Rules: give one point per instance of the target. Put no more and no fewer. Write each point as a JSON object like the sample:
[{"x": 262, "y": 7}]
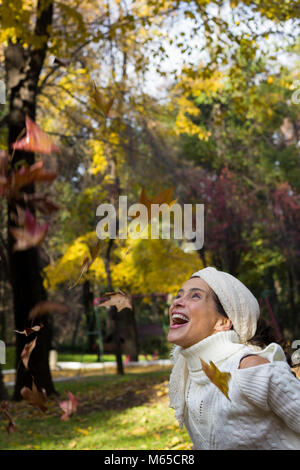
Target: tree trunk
[
  {"x": 130, "y": 333},
  {"x": 117, "y": 340},
  {"x": 23, "y": 67},
  {"x": 113, "y": 314},
  {"x": 88, "y": 298}
]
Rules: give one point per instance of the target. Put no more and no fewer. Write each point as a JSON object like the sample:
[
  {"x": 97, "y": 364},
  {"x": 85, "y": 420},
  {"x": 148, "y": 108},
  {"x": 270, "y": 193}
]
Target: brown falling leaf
[
  {"x": 36, "y": 140},
  {"x": 41, "y": 202},
  {"x": 44, "y": 307},
  {"x": 220, "y": 379},
  {"x": 31, "y": 235},
  {"x": 164, "y": 197},
  {"x": 11, "y": 427},
  {"x": 103, "y": 105},
  {"x": 25, "y": 354},
  {"x": 32, "y": 174},
  {"x": 88, "y": 261},
  {"x": 68, "y": 406},
  {"x": 117, "y": 299},
  {"x": 29, "y": 331},
  {"x": 35, "y": 397}
]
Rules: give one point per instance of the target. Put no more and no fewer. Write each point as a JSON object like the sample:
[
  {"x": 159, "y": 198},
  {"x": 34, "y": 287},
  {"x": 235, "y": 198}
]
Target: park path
[{"x": 73, "y": 370}]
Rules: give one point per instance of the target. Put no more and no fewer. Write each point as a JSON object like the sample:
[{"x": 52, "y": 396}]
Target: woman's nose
[{"x": 179, "y": 301}]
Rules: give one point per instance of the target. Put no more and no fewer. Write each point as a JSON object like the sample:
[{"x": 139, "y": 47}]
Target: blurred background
[{"x": 198, "y": 96}]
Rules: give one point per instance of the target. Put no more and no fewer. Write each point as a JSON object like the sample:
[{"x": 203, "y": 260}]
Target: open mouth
[{"x": 178, "y": 320}]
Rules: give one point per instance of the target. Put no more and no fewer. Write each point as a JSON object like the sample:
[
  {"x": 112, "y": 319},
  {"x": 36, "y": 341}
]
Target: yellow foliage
[
  {"x": 154, "y": 266},
  {"x": 138, "y": 266},
  {"x": 194, "y": 88},
  {"x": 99, "y": 162},
  {"x": 68, "y": 267}
]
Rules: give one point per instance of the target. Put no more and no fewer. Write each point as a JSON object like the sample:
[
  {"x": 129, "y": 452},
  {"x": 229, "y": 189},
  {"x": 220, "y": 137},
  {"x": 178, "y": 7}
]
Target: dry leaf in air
[
  {"x": 35, "y": 173},
  {"x": 220, "y": 379},
  {"x": 29, "y": 331},
  {"x": 11, "y": 427},
  {"x": 31, "y": 235},
  {"x": 25, "y": 354},
  {"x": 88, "y": 261},
  {"x": 69, "y": 407},
  {"x": 116, "y": 299},
  {"x": 36, "y": 140},
  {"x": 35, "y": 397},
  {"x": 44, "y": 307},
  {"x": 164, "y": 197},
  {"x": 103, "y": 105}
]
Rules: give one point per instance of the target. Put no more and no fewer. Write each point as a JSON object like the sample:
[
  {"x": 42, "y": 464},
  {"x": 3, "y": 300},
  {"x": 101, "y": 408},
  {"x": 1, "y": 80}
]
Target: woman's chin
[{"x": 177, "y": 336}]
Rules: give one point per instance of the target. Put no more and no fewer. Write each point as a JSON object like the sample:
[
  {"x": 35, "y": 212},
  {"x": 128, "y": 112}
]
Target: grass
[{"x": 114, "y": 413}]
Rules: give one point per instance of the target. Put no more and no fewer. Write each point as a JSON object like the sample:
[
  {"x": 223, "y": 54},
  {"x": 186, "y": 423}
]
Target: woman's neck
[{"x": 216, "y": 348}]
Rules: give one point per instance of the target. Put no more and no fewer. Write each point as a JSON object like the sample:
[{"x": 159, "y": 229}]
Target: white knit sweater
[{"x": 264, "y": 407}]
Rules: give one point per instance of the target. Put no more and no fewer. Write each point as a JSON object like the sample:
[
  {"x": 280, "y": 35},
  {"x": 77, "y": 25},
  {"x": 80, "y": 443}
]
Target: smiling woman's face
[{"x": 193, "y": 314}]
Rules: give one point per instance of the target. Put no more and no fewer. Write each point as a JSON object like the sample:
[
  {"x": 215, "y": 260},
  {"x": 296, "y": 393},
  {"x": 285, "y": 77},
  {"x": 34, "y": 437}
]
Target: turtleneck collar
[{"x": 216, "y": 348}]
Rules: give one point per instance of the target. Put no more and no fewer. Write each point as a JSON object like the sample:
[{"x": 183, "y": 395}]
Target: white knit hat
[{"x": 238, "y": 302}]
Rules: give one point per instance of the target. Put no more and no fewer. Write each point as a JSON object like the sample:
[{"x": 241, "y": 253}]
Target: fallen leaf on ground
[
  {"x": 72, "y": 444},
  {"x": 138, "y": 431},
  {"x": 82, "y": 431},
  {"x": 220, "y": 379},
  {"x": 69, "y": 407},
  {"x": 35, "y": 397}
]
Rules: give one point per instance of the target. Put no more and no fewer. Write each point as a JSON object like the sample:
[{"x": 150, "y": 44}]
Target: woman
[{"x": 213, "y": 318}]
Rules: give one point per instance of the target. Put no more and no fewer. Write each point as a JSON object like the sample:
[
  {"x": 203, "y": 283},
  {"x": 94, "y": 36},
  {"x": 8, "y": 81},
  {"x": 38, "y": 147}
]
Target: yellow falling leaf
[
  {"x": 103, "y": 105},
  {"x": 220, "y": 379}
]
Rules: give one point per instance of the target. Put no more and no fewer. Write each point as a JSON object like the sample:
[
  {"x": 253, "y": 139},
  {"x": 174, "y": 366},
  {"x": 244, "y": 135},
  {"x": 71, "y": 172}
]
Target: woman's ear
[{"x": 223, "y": 324}]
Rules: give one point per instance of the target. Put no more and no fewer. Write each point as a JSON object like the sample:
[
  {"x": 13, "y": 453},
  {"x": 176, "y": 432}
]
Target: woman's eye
[{"x": 197, "y": 296}]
